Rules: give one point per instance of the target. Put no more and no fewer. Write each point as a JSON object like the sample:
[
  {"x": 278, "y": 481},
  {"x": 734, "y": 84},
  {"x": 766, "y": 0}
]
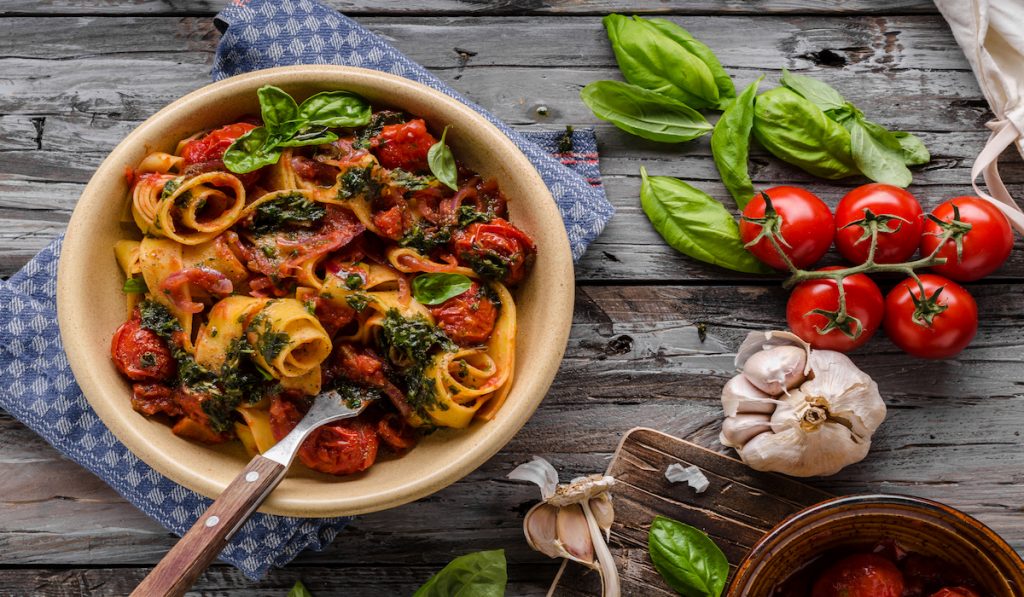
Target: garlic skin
[{"x": 814, "y": 429}]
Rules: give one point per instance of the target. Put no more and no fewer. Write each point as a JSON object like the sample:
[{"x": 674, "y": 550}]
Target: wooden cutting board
[{"x": 736, "y": 510}]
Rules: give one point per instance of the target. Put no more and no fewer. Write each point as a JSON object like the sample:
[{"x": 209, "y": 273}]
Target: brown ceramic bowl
[
  {"x": 91, "y": 304},
  {"x": 918, "y": 525}
]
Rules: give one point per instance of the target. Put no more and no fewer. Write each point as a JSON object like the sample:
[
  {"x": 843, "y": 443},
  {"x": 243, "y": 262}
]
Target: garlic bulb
[
  {"x": 573, "y": 521},
  {"x": 798, "y": 411}
]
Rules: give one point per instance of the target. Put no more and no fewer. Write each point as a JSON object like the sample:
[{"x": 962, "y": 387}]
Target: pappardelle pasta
[{"x": 327, "y": 245}]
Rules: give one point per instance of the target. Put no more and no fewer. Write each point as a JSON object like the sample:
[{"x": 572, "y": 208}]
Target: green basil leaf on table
[
  {"x": 875, "y": 155},
  {"x": 687, "y": 558},
  {"x": 252, "y": 151},
  {"x": 798, "y": 132},
  {"x": 726, "y": 88},
  {"x": 650, "y": 59},
  {"x": 730, "y": 145},
  {"x": 442, "y": 163},
  {"x": 819, "y": 93},
  {"x": 913, "y": 149},
  {"x": 480, "y": 574},
  {"x": 644, "y": 113},
  {"x": 299, "y": 590},
  {"x": 434, "y": 289},
  {"x": 279, "y": 111},
  {"x": 335, "y": 109},
  {"x": 695, "y": 224}
]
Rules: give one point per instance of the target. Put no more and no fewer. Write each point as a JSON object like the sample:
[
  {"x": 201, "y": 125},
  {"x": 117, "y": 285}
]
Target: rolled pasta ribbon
[
  {"x": 217, "y": 255},
  {"x": 225, "y": 325},
  {"x": 161, "y": 162},
  {"x": 201, "y": 208},
  {"x": 357, "y": 185},
  {"x": 257, "y": 424},
  {"x": 283, "y": 175},
  {"x": 146, "y": 195},
  {"x": 127, "y": 254},
  {"x": 501, "y": 346},
  {"x": 408, "y": 260},
  {"x": 288, "y": 341},
  {"x": 158, "y": 259}
]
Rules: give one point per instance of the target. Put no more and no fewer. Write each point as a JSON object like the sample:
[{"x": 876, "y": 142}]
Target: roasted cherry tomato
[
  {"x": 863, "y": 301},
  {"x": 496, "y": 250},
  {"x": 341, "y": 448},
  {"x": 955, "y": 592},
  {"x": 396, "y": 432},
  {"x": 211, "y": 147},
  {"x": 980, "y": 241},
  {"x": 403, "y": 145},
  {"x": 468, "y": 318},
  {"x": 140, "y": 354},
  {"x": 935, "y": 324},
  {"x": 897, "y": 215},
  {"x": 153, "y": 398},
  {"x": 860, "y": 575},
  {"x": 803, "y": 222}
]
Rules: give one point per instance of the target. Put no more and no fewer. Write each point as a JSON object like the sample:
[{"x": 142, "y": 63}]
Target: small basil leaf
[
  {"x": 813, "y": 90},
  {"x": 644, "y": 113},
  {"x": 912, "y": 148},
  {"x": 315, "y": 137},
  {"x": 434, "y": 289},
  {"x": 480, "y": 574},
  {"x": 279, "y": 111},
  {"x": 299, "y": 590},
  {"x": 442, "y": 163},
  {"x": 687, "y": 558},
  {"x": 252, "y": 151},
  {"x": 335, "y": 109},
  {"x": 694, "y": 223},
  {"x": 650, "y": 59},
  {"x": 135, "y": 285},
  {"x": 875, "y": 156},
  {"x": 726, "y": 88},
  {"x": 730, "y": 145}
]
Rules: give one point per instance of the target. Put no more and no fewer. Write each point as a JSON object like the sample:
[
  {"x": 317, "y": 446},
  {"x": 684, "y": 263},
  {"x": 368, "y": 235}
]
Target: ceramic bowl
[
  {"x": 91, "y": 304},
  {"x": 918, "y": 525}
]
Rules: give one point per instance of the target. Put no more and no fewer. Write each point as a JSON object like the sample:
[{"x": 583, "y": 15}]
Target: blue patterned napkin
[{"x": 36, "y": 383}]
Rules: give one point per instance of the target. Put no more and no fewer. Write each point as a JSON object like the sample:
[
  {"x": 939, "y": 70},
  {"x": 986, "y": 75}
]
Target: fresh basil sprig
[
  {"x": 434, "y": 289},
  {"x": 480, "y": 574},
  {"x": 644, "y": 113},
  {"x": 694, "y": 223},
  {"x": 687, "y": 558},
  {"x": 730, "y": 145},
  {"x": 299, "y": 590},
  {"x": 288, "y": 124},
  {"x": 442, "y": 163}
]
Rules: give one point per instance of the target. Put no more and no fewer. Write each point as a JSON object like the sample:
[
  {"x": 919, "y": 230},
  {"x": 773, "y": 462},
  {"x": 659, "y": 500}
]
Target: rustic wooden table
[{"x": 653, "y": 331}]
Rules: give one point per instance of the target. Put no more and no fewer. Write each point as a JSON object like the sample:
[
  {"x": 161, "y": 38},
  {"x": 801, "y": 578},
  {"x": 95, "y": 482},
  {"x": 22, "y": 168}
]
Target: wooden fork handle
[{"x": 179, "y": 569}]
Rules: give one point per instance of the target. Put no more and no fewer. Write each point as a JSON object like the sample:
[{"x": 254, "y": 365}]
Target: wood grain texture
[{"x": 739, "y": 506}]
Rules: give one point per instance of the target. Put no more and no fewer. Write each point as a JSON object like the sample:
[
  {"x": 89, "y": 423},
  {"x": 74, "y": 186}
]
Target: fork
[{"x": 179, "y": 569}]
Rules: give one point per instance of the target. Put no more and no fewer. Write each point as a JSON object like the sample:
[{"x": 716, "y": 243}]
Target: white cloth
[{"x": 991, "y": 34}]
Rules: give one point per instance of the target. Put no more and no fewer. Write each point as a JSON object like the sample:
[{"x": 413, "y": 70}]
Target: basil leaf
[
  {"x": 442, "y": 163},
  {"x": 726, "y": 88},
  {"x": 644, "y": 113},
  {"x": 687, "y": 558},
  {"x": 912, "y": 148},
  {"x": 813, "y": 90},
  {"x": 252, "y": 151},
  {"x": 299, "y": 590},
  {"x": 480, "y": 574},
  {"x": 335, "y": 109},
  {"x": 279, "y": 111},
  {"x": 134, "y": 285},
  {"x": 317, "y": 136},
  {"x": 693, "y": 223},
  {"x": 730, "y": 145},
  {"x": 434, "y": 289},
  {"x": 650, "y": 59},
  {"x": 875, "y": 156},
  {"x": 796, "y": 131}
]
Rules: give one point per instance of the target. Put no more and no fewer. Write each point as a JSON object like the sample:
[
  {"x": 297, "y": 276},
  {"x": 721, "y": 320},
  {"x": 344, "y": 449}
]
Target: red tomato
[
  {"x": 152, "y": 398},
  {"x": 496, "y": 250},
  {"x": 899, "y": 223},
  {"x": 403, "y": 145},
  {"x": 955, "y": 592},
  {"x": 396, "y": 432},
  {"x": 860, "y": 575},
  {"x": 341, "y": 448},
  {"x": 468, "y": 318},
  {"x": 390, "y": 222},
  {"x": 985, "y": 247},
  {"x": 863, "y": 301},
  {"x": 212, "y": 146},
  {"x": 140, "y": 354},
  {"x": 286, "y": 410},
  {"x": 937, "y": 327},
  {"x": 806, "y": 227}
]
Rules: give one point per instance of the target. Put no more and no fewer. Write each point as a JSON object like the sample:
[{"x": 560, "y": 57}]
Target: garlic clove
[
  {"x": 604, "y": 513},
  {"x": 540, "y": 472},
  {"x": 740, "y": 429},
  {"x": 741, "y": 396},
  {"x": 539, "y": 527},
  {"x": 756, "y": 342},
  {"x": 822, "y": 452},
  {"x": 777, "y": 370},
  {"x": 574, "y": 534}
]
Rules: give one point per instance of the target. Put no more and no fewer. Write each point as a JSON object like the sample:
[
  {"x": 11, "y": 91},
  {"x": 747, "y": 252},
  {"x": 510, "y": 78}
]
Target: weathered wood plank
[{"x": 499, "y": 7}]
